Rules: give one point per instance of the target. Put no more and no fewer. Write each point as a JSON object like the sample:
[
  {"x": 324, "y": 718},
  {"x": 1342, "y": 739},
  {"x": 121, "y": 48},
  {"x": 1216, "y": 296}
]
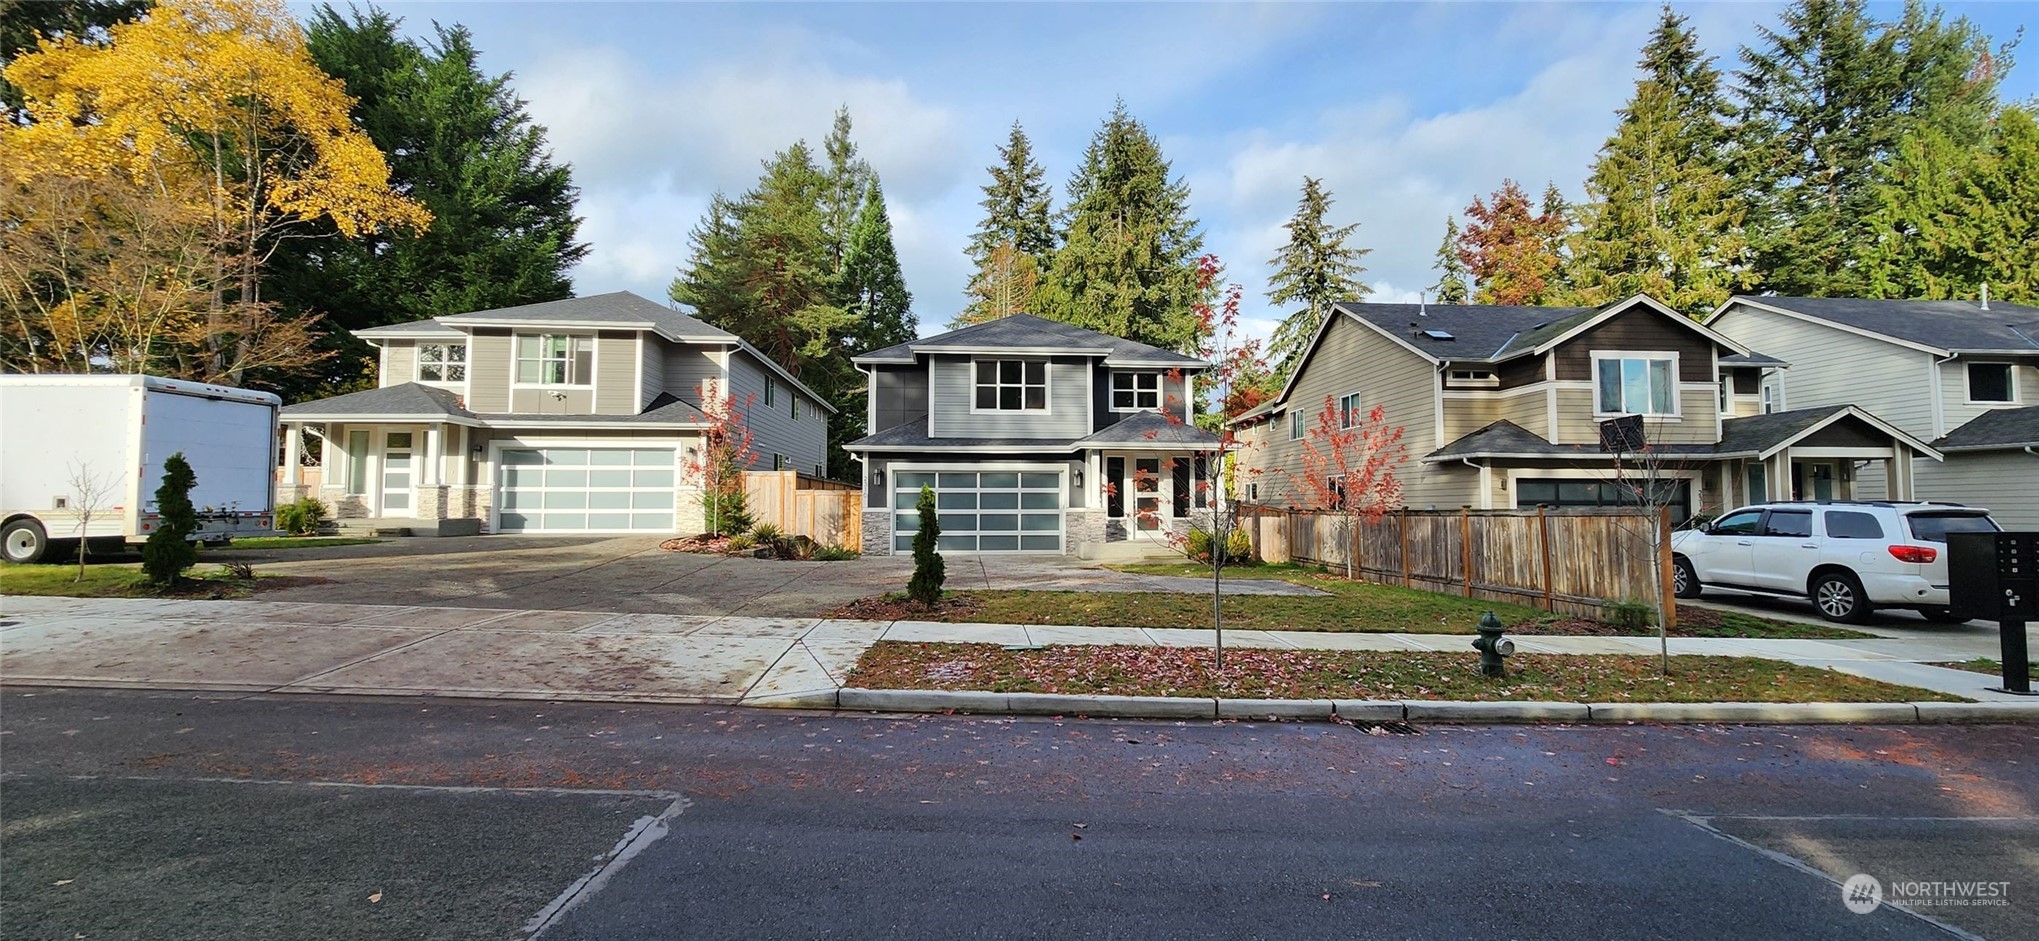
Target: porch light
[
  {"x": 1078, "y": 477},
  {"x": 878, "y": 477}
]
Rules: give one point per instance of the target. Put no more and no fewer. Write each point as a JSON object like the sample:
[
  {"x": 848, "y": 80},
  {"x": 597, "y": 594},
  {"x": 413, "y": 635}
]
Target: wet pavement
[{"x": 132, "y": 815}]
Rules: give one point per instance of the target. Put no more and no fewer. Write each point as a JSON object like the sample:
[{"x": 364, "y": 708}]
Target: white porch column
[
  {"x": 435, "y": 455},
  {"x": 293, "y": 453},
  {"x": 466, "y": 465}
]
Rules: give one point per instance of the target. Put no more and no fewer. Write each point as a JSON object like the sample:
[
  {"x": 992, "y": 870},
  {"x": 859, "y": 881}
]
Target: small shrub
[
  {"x": 742, "y": 542},
  {"x": 1197, "y": 545},
  {"x": 239, "y": 571},
  {"x": 169, "y": 550},
  {"x": 1629, "y": 615},
  {"x": 301, "y": 517},
  {"x": 835, "y": 554},
  {"x": 723, "y": 510},
  {"x": 928, "y": 570},
  {"x": 765, "y": 532},
  {"x": 1238, "y": 547},
  {"x": 796, "y": 548}
]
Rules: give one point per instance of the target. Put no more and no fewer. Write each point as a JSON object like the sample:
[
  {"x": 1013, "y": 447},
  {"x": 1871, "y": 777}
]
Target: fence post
[
  {"x": 1543, "y": 536},
  {"x": 1408, "y": 578},
  {"x": 1465, "y": 540},
  {"x": 1669, "y": 598}
]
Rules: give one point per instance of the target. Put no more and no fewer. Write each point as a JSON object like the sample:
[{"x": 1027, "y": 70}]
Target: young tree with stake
[
  {"x": 91, "y": 491},
  {"x": 718, "y": 463}
]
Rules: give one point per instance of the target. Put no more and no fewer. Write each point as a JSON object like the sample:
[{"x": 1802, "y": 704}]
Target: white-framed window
[
  {"x": 796, "y": 407},
  {"x": 1011, "y": 385},
  {"x": 1992, "y": 383},
  {"x": 1296, "y": 425},
  {"x": 1334, "y": 490},
  {"x": 1473, "y": 377},
  {"x": 442, "y": 362},
  {"x": 1769, "y": 398},
  {"x": 1627, "y": 383},
  {"x": 1348, "y": 410},
  {"x": 1136, "y": 391},
  {"x": 555, "y": 360}
]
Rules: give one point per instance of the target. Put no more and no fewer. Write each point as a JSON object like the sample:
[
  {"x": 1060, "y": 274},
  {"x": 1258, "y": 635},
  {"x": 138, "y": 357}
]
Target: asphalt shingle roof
[
  {"x": 1945, "y": 325},
  {"x": 411, "y": 328},
  {"x": 1751, "y": 359},
  {"x": 1758, "y": 433},
  {"x": 1025, "y": 331},
  {"x": 410, "y": 398},
  {"x": 621, "y": 309},
  {"x": 1149, "y": 429},
  {"x": 1996, "y": 428},
  {"x": 1751, "y": 434},
  {"x": 1479, "y": 331},
  {"x": 913, "y": 436}
]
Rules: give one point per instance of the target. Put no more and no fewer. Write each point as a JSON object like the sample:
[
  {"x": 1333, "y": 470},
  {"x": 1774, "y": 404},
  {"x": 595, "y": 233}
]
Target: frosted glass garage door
[
  {"x": 990, "y": 511},
  {"x": 586, "y": 490}
]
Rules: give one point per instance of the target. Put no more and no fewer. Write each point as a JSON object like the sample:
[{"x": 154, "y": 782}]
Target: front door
[
  {"x": 398, "y": 473},
  {"x": 1812, "y": 481},
  {"x": 1150, "y": 504}
]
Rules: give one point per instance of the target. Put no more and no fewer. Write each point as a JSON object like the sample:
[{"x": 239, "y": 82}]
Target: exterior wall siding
[
  {"x": 489, "y": 358},
  {"x": 953, "y": 390},
  {"x": 1696, "y": 425},
  {"x": 399, "y": 362},
  {"x": 1636, "y": 329},
  {"x": 651, "y": 361},
  {"x": 804, "y": 442},
  {"x": 1829, "y": 366},
  {"x": 1955, "y": 408},
  {"x": 901, "y": 395},
  {"x": 2007, "y": 482},
  {"x": 533, "y": 400},
  {"x": 688, "y": 370},
  {"x": 615, "y": 377}
]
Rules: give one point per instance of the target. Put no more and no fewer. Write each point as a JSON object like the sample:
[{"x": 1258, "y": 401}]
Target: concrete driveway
[{"x": 633, "y": 575}]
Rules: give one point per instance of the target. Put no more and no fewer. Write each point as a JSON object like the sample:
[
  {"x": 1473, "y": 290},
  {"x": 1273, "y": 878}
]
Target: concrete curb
[{"x": 1414, "y": 710}]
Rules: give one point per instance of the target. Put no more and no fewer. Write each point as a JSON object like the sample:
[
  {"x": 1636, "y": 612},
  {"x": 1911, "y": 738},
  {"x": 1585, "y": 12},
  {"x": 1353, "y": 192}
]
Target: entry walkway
[{"x": 286, "y": 647}]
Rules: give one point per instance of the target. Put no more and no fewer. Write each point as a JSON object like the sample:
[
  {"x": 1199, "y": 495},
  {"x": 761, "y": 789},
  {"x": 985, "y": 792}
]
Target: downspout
[
  {"x": 1939, "y": 395},
  {"x": 1486, "y": 482}
]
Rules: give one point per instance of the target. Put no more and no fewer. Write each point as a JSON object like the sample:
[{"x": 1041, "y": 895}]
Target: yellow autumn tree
[{"x": 215, "y": 105}]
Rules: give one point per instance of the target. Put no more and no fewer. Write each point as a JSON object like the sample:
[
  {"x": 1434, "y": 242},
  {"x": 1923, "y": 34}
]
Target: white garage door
[
  {"x": 989, "y": 511},
  {"x": 586, "y": 490}
]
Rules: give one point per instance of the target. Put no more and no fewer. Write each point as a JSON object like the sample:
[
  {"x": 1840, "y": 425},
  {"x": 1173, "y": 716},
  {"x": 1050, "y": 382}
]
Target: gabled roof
[
  {"x": 1149, "y": 430},
  {"x": 1996, "y": 429},
  {"x": 409, "y": 400},
  {"x": 1506, "y": 439},
  {"x": 1026, "y": 333},
  {"x": 621, "y": 310},
  {"x": 1753, "y": 359},
  {"x": 420, "y": 329},
  {"x": 1752, "y": 436},
  {"x": 1941, "y": 326}
]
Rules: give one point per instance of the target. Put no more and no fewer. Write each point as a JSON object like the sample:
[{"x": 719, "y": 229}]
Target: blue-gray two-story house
[{"x": 1037, "y": 436}]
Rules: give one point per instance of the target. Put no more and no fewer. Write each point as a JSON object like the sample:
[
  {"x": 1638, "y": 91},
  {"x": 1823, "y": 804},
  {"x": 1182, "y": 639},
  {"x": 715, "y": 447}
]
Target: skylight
[{"x": 1439, "y": 334}]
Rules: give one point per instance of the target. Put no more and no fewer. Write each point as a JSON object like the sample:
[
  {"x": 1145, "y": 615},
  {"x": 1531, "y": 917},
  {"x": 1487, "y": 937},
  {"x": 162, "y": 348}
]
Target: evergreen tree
[
  {"x": 929, "y": 572},
  {"x": 1825, "y": 100},
  {"x": 1316, "y": 269},
  {"x": 1016, "y": 239},
  {"x": 1949, "y": 218},
  {"x": 1661, "y": 216},
  {"x": 875, "y": 283},
  {"x": 1510, "y": 248},
  {"x": 169, "y": 549},
  {"x": 843, "y": 195},
  {"x": 1128, "y": 262},
  {"x": 460, "y": 143},
  {"x": 1451, "y": 269}
]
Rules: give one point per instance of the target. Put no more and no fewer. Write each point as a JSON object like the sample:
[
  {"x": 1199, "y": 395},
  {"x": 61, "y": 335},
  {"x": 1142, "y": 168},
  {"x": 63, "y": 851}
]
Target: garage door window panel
[
  {"x": 587, "y": 489},
  {"x": 992, "y": 511}
]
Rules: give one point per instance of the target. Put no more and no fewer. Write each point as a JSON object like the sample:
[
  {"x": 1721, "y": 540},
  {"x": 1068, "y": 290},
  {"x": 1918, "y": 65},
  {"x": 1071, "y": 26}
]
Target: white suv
[{"x": 1847, "y": 557}]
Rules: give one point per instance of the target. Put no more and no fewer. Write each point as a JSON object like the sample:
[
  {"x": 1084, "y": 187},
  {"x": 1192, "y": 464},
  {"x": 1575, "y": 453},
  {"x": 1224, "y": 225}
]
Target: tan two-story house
[
  {"x": 572, "y": 416},
  {"x": 1962, "y": 374},
  {"x": 1501, "y": 407}
]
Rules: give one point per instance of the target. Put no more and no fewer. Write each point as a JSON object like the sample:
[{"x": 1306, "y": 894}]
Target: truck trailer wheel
[{"x": 23, "y": 541}]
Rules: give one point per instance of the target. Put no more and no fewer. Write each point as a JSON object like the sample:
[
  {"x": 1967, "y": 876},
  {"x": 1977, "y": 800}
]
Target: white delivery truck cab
[{"x": 120, "y": 429}]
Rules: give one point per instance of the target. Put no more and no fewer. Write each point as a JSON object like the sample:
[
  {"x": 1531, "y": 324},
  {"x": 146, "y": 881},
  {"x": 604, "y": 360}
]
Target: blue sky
[{"x": 1406, "y": 110}]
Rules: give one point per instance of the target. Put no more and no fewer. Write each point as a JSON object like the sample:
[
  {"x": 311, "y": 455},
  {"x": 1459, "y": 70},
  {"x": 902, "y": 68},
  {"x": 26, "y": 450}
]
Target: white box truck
[{"x": 120, "y": 429}]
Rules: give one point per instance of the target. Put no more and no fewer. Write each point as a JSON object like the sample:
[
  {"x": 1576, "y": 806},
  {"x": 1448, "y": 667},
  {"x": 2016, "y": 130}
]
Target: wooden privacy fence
[
  {"x": 1572, "y": 561},
  {"x": 829, "y": 512}
]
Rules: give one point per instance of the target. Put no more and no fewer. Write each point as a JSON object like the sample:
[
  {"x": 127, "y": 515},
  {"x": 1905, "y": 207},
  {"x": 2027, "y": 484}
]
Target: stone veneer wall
[
  {"x": 1085, "y": 527},
  {"x": 877, "y": 532},
  {"x": 689, "y": 518}
]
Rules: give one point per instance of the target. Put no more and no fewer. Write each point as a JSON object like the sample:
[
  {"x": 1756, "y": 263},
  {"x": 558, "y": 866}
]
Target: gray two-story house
[
  {"x": 571, "y": 416},
  {"x": 1961, "y": 374},
  {"x": 1501, "y": 407},
  {"x": 1036, "y": 436}
]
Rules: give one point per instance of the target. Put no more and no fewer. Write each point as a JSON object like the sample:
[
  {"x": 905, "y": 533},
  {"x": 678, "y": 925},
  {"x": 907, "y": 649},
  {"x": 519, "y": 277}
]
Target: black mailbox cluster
[{"x": 1994, "y": 576}]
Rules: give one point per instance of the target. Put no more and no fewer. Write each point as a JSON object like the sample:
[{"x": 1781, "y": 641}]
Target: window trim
[
  {"x": 1968, "y": 383},
  {"x": 1047, "y": 385},
  {"x": 1677, "y": 405},
  {"x": 517, "y": 361},
  {"x": 1472, "y": 378},
  {"x": 418, "y": 365},
  {"x": 1297, "y": 431},
  {"x": 769, "y": 389},
  {"x": 1112, "y": 391},
  {"x": 1347, "y": 416}
]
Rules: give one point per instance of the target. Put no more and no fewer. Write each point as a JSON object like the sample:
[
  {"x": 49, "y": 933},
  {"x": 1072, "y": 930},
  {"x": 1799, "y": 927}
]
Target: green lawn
[
  {"x": 1348, "y": 606},
  {"x": 110, "y": 581},
  {"x": 1200, "y": 570},
  {"x": 1326, "y": 674},
  {"x": 291, "y": 542}
]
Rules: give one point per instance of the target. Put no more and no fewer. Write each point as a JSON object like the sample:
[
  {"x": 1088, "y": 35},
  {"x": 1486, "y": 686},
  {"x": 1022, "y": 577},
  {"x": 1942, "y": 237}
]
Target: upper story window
[
  {"x": 770, "y": 387},
  {"x": 442, "y": 362},
  {"x": 1295, "y": 425},
  {"x": 555, "y": 360},
  {"x": 796, "y": 408},
  {"x": 1635, "y": 383},
  {"x": 1476, "y": 378},
  {"x": 1348, "y": 410},
  {"x": 1991, "y": 382},
  {"x": 1136, "y": 391},
  {"x": 1012, "y": 385}
]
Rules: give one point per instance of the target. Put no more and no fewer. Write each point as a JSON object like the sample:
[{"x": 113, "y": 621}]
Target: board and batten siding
[
  {"x": 651, "y": 365},
  {"x": 954, "y": 389},
  {"x": 1829, "y": 367},
  {"x": 399, "y": 362},
  {"x": 489, "y": 362},
  {"x": 2006, "y": 482},
  {"x": 804, "y": 442},
  {"x": 1354, "y": 358},
  {"x": 689, "y": 369},
  {"x": 615, "y": 373}
]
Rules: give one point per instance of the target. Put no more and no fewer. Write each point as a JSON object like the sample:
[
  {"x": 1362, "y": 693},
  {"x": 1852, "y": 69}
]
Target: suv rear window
[
  {"x": 1934, "y": 527},
  {"x": 1848, "y": 524},
  {"x": 1788, "y": 523}
]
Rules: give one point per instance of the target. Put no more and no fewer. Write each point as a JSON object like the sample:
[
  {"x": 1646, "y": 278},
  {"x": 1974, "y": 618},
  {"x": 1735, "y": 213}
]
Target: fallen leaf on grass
[
  {"x": 63, "y": 882},
  {"x": 377, "y": 897}
]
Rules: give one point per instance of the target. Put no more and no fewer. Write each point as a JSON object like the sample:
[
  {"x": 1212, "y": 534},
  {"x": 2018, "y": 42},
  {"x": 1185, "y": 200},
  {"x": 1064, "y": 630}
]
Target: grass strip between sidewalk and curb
[
  {"x": 127, "y": 581},
  {"x": 1324, "y": 674}
]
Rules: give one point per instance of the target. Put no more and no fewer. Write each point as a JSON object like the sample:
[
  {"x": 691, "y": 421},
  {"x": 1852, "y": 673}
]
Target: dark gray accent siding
[{"x": 901, "y": 395}]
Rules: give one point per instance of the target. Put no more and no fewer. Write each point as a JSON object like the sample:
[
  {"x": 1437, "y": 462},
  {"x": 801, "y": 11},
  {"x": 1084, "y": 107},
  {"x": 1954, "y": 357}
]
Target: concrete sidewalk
[{"x": 285, "y": 647}]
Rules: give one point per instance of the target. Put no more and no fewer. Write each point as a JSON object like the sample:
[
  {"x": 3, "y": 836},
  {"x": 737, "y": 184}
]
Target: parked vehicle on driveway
[
  {"x": 120, "y": 429},
  {"x": 1847, "y": 557}
]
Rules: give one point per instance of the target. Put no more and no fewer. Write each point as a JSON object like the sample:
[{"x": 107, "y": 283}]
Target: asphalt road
[{"x": 130, "y": 815}]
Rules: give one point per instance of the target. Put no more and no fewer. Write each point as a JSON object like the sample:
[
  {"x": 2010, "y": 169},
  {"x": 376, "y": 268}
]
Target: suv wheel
[
  {"x": 1839, "y": 597},
  {"x": 1684, "y": 581}
]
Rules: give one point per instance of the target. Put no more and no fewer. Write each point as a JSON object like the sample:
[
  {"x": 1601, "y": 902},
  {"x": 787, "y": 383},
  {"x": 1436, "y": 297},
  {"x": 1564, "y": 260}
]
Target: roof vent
[
  {"x": 1439, "y": 335},
  {"x": 1985, "y": 295}
]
